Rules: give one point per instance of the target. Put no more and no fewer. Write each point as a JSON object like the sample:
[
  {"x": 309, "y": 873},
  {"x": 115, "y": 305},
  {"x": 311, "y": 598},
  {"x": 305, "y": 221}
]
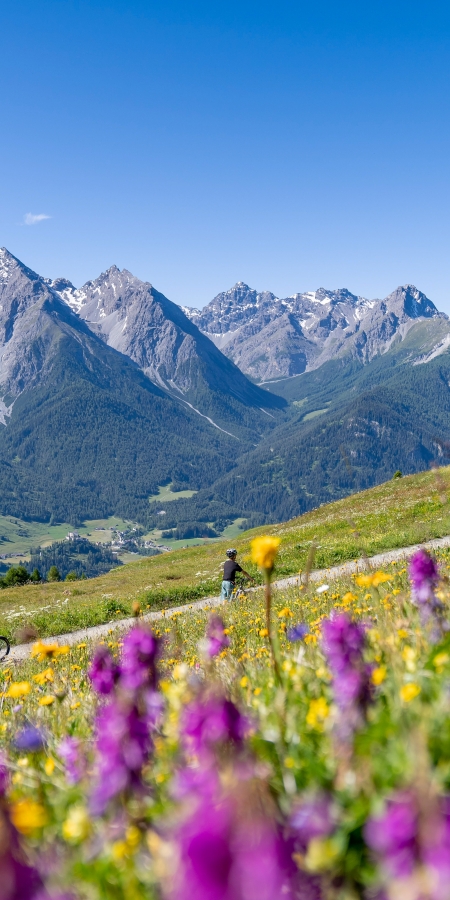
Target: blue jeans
[{"x": 227, "y": 590}]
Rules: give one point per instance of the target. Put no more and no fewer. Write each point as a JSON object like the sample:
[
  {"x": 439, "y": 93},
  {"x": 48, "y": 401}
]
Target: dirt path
[{"x": 100, "y": 631}]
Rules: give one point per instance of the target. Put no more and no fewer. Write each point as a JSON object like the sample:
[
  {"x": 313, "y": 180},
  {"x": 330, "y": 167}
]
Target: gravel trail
[{"x": 21, "y": 651}]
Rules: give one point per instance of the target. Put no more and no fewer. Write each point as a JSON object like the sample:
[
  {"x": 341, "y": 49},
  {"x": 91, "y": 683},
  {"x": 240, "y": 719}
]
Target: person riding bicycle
[{"x": 230, "y": 567}]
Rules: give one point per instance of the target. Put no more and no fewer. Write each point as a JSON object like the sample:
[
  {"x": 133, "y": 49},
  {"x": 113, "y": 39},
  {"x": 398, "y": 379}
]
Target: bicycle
[
  {"x": 5, "y": 647},
  {"x": 238, "y": 593}
]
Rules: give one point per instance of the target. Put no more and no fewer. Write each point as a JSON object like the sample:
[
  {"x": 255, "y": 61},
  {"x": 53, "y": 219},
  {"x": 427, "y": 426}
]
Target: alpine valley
[{"x": 258, "y": 407}]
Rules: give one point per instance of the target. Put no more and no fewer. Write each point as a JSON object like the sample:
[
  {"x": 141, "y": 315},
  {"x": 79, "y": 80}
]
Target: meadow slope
[{"x": 398, "y": 513}]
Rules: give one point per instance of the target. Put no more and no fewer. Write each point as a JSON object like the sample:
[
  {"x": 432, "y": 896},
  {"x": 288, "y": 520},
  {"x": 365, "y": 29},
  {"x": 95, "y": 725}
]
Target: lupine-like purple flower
[
  {"x": 408, "y": 843},
  {"x": 230, "y": 850},
  {"x": 211, "y": 720},
  {"x": 104, "y": 671},
  {"x": 216, "y": 638},
  {"x": 140, "y": 654},
  {"x": 69, "y": 751},
  {"x": 29, "y": 739},
  {"x": 18, "y": 880},
  {"x": 344, "y": 642},
  {"x": 393, "y": 836},
  {"x": 123, "y": 746},
  {"x": 313, "y": 817},
  {"x": 424, "y": 576},
  {"x": 297, "y": 632}
]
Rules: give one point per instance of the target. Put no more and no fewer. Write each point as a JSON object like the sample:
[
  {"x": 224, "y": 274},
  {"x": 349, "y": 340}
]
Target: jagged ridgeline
[{"x": 109, "y": 391}]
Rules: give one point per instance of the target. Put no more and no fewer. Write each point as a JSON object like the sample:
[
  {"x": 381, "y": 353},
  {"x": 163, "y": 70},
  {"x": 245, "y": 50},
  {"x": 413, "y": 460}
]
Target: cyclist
[{"x": 230, "y": 567}]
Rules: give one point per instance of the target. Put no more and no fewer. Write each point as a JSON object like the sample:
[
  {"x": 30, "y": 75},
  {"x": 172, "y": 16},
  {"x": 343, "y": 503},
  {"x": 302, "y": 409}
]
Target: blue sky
[{"x": 290, "y": 145}]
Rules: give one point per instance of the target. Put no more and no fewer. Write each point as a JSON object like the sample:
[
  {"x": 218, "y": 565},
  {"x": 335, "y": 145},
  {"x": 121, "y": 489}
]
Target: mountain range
[
  {"x": 263, "y": 406},
  {"x": 271, "y": 338}
]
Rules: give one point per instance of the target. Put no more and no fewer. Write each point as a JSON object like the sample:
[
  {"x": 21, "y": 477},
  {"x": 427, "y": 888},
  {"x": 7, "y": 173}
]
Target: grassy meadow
[
  {"x": 303, "y": 779},
  {"x": 398, "y": 513}
]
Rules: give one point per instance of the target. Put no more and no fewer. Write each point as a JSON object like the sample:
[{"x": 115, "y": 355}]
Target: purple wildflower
[
  {"x": 18, "y": 880},
  {"x": 424, "y": 576},
  {"x": 217, "y": 640},
  {"x": 123, "y": 746},
  {"x": 230, "y": 850},
  {"x": 313, "y": 817},
  {"x": 393, "y": 836},
  {"x": 29, "y": 739},
  {"x": 344, "y": 642},
  {"x": 103, "y": 671},
  {"x": 212, "y": 720},
  {"x": 139, "y": 657},
  {"x": 69, "y": 751},
  {"x": 297, "y": 632}
]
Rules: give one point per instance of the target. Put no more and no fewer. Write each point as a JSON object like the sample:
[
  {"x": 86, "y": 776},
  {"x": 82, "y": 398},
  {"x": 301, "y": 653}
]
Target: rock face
[
  {"x": 271, "y": 338},
  {"x": 138, "y": 321}
]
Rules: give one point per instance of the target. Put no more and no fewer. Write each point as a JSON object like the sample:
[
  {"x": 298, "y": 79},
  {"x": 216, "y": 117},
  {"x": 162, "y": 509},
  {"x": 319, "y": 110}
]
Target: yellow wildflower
[
  {"x": 289, "y": 762},
  {"x": 378, "y": 675},
  {"x": 263, "y": 632},
  {"x": 244, "y": 681},
  {"x": 18, "y": 689},
  {"x": 321, "y": 854},
  {"x": 285, "y": 612},
  {"x": 440, "y": 660},
  {"x": 42, "y": 677},
  {"x": 264, "y": 551},
  {"x": 317, "y": 713},
  {"x": 49, "y": 766},
  {"x": 77, "y": 825},
  {"x": 371, "y": 580},
  {"x": 48, "y": 651},
  {"x": 348, "y": 598},
  {"x": 27, "y": 816},
  {"x": 47, "y": 700},
  {"x": 402, "y": 633},
  {"x": 409, "y": 691}
]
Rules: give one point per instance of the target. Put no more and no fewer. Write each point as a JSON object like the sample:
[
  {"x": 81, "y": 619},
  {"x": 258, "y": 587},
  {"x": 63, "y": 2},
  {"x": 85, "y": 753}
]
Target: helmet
[{"x": 231, "y": 553}]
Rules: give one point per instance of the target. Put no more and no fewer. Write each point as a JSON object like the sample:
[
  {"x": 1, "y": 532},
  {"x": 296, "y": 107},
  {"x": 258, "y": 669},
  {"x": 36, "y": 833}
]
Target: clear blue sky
[{"x": 290, "y": 145}]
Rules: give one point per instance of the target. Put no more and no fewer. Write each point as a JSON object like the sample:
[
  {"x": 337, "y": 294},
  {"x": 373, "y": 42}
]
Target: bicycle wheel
[{"x": 4, "y": 647}]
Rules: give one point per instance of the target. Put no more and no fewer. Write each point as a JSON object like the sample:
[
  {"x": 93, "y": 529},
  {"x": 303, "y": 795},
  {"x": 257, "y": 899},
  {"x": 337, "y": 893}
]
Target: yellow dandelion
[
  {"x": 378, "y": 675},
  {"x": 48, "y": 651},
  {"x": 18, "y": 689},
  {"x": 47, "y": 700},
  {"x": 264, "y": 551},
  {"x": 42, "y": 677},
  {"x": 27, "y": 816},
  {"x": 317, "y": 713},
  {"x": 409, "y": 691}
]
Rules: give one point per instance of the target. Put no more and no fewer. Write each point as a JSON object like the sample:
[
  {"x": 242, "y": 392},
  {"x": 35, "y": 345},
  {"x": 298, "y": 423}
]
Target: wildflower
[
  {"x": 123, "y": 747},
  {"x": 18, "y": 689},
  {"x": 48, "y": 651},
  {"x": 424, "y": 576},
  {"x": 49, "y": 766},
  {"x": 297, "y": 632},
  {"x": 313, "y": 817},
  {"x": 27, "y": 816},
  {"x": 29, "y": 739},
  {"x": 47, "y": 700},
  {"x": 140, "y": 653},
  {"x": 317, "y": 713},
  {"x": 409, "y": 692},
  {"x": 264, "y": 551},
  {"x": 394, "y": 835},
  {"x": 69, "y": 751},
  {"x": 212, "y": 720},
  {"x": 378, "y": 675},
  {"x": 77, "y": 825},
  {"x": 45, "y": 676},
  {"x": 217, "y": 639},
  {"x": 104, "y": 671},
  {"x": 323, "y": 588},
  {"x": 344, "y": 643},
  {"x": 229, "y": 848}
]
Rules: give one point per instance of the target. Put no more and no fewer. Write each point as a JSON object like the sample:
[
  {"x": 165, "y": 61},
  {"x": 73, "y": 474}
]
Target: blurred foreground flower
[
  {"x": 344, "y": 644},
  {"x": 48, "y": 651},
  {"x": 264, "y": 551},
  {"x": 424, "y": 575}
]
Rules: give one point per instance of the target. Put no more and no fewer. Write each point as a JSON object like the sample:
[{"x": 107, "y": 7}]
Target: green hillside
[{"x": 395, "y": 514}]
